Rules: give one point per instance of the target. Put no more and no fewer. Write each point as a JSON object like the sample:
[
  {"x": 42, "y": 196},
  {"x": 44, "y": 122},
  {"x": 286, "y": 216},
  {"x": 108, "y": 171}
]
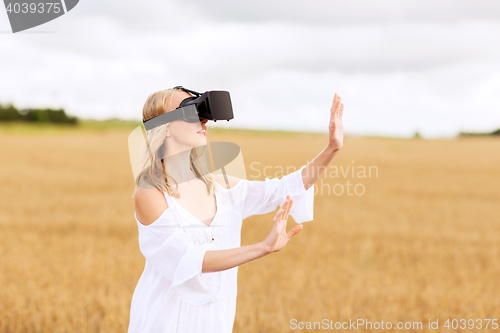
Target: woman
[{"x": 189, "y": 233}]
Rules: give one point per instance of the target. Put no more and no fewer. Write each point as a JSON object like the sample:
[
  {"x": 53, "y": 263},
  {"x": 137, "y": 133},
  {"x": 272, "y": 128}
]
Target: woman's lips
[{"x": 202, "y": 132}]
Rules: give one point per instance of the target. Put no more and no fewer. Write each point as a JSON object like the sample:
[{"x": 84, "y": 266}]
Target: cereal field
[{"x": 418, "y": 240}]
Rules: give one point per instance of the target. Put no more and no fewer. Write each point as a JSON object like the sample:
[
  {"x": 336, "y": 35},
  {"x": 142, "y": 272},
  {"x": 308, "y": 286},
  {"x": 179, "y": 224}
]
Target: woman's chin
[{"x": 201, "y": 142}]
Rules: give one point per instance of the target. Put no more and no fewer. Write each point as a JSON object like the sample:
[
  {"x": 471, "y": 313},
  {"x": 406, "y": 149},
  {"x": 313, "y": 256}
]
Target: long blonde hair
[{"x": 153, "y": 170}]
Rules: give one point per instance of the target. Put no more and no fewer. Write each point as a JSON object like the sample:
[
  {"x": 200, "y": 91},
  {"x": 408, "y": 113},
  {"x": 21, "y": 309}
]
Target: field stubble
[{"x": 422, "y": 242}]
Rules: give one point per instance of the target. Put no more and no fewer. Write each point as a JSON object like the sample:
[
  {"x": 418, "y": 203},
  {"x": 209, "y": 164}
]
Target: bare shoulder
[
  {"x": 220, "y": 180},
  {"x": 149, "y": 205}
]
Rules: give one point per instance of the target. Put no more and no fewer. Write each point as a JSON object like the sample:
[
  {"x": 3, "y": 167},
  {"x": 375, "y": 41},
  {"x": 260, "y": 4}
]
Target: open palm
[{"x": 278, "y": 237}]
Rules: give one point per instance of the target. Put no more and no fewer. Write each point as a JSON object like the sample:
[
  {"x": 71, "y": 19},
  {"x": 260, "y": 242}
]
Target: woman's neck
[{"x": 178, "y": 166}]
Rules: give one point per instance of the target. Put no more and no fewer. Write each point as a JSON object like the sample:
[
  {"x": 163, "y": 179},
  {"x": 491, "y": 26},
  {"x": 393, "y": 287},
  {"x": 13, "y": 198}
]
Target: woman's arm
[
  {"x": 220, "y": 260},
  {"x": 315, "y": 168},
  {"x": 277, "y": 238}
]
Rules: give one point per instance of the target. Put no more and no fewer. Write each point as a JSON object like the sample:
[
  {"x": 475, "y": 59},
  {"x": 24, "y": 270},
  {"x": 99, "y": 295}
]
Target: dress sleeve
[
  {"x": 262, "y": 197},
  {"x": 173, "y": 254}
]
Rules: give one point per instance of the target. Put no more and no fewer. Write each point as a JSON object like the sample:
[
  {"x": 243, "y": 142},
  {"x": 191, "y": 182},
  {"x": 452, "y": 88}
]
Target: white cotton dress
[{"x": 173, "y": 295}]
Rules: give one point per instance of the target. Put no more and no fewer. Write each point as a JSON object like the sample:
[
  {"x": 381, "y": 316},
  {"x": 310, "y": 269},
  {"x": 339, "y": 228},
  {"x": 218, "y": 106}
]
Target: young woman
[{"x": 189, "y": 232}]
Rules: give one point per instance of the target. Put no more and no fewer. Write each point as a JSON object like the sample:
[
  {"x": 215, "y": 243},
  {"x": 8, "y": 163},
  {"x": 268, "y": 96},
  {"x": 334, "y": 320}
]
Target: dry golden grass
[{"x": 423, "y": 242}]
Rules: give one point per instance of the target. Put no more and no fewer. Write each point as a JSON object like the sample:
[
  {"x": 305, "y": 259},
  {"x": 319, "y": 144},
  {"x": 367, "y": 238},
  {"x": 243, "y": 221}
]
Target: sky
[{"x": 399, "y": 66}]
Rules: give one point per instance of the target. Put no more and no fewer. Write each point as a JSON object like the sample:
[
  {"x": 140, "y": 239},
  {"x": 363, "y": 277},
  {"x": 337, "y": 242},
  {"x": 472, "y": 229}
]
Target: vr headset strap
[
  {"x": 179, "y": 113},
  {"x": 188, "y": 91}
]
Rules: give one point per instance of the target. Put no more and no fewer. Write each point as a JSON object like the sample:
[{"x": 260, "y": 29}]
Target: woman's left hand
[{"x": 336, "y": 132}]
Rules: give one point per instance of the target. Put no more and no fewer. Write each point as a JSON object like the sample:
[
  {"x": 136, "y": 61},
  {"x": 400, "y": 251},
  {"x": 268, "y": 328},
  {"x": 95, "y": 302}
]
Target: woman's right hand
[{"x": 278, "y": 237}]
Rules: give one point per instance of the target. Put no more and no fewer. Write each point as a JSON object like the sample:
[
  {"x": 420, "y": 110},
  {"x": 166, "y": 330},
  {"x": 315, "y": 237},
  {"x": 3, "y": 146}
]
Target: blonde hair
[{"x": 153, "y": 170}]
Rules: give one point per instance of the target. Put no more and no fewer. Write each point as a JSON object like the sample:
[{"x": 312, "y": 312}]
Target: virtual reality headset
[{"x": 212, "y": 105}]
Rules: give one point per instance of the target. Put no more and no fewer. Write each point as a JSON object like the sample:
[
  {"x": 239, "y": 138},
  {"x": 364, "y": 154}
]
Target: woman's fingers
[
  {"x": 278, "y": 215},
  {"x": 332, "y": 110},
  {"x": 282, "y": 212},
  {"x": 295, "y": 230},
  {"x": 289, "y": 207},
  {"x": 336, "y": 107},
  {"x": 285, "y": 204},
  {"x": 284, "y": 207}
]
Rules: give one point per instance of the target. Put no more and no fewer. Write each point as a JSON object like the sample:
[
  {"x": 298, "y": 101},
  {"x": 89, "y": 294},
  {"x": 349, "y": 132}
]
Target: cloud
[
  {"x": 346, "y": 13},
  {"x": 435, "y": 102},
  {"x": 246, "y": 48},
  {"x": 395, "y": 76}
]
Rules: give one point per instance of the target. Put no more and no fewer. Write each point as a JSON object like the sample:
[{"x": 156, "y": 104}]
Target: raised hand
[
  {"x": 278, "y": 237},
  {"x": 336, "y": 131}
]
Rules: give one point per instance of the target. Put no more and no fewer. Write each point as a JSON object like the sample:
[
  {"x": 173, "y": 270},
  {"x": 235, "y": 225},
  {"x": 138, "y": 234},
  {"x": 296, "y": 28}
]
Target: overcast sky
[{"x": 399, "y": 66}]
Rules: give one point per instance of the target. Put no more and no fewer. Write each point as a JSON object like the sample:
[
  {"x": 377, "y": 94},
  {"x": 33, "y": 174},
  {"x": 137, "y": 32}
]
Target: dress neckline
[{"x": 217, "y": 207}]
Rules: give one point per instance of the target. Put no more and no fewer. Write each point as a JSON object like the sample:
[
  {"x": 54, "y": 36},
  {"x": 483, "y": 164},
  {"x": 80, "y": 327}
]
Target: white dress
[{"x": 172, "y": 294}]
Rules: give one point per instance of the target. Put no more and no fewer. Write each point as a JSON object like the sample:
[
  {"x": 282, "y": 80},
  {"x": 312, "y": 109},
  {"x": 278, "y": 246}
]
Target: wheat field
[{"x": 420, "y": 244}]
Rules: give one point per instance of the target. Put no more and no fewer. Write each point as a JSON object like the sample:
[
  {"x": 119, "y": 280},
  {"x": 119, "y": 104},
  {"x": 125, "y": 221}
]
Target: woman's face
[{"x": 182, "y": 134}]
